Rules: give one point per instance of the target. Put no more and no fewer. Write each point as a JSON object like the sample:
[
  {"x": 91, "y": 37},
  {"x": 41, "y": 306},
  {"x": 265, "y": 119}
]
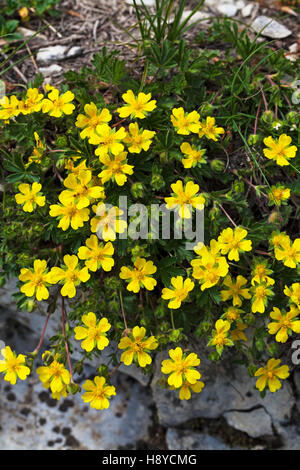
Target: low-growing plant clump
[{"x": 199, "y": 131}]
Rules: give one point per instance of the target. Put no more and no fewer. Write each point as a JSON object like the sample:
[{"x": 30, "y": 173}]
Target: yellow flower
[
  {"x": 81, "y": 190},
  {"x": 270, "y": 374},
  {"x": 97, "y": 255},
  {"x": 115, "y": 168},
  {"x": 138, "y": 106},
  {"x": 193, "y": 156},
  {"x": 13, "y": 366},
  {"x": 69, "y": 214},
  {"x": 32, "y": 102},
  {"x": 95, "y": 333},
  {"x": 136, "y": 347},
  {"x": 98, "y": 393},
  {"x": 57, "y": 395},
  {"x": 280, "y": 150},
  {"x": 69, "y": 165},
  {"x": 232, "y": 314},
  {"x": 185, "y": 123},
  {"x": 261, "y": 273},
  {"x": 238, "y": 334},
  {"x": 38, "y": 150},
  {"x": 70, "y": 275},
  {"x": 140, "y": 275},
  {"x": 235, "y": 290},
  {"x": 9, "y": 107},
  {"x": 91, "y": 119},
  {"x": 181, "y": 368},
  {"x": 108, "y": 140},
  {"x": 36, "y": 280},
  {"x": 185, "y": 198},
  {"x": 107, "y": 222},
  {"x": 55, "y": 375},
  {"x": 185, "y": 389},
  {"x": 260, "y": 293},
  {"x": 232, "y": 242},
  {"x": 279, "y": 239},
  {"x": 138, "y": 139},
  {"x": 289, "y": 252},
  {"x": 209, "y": 129},
  {"x": 209, "y": 266},
  {"x": 284, "y": 323},
  {"x": 179, "y": 293},
  {"x": 30, "y": 196},
  {"x": 278, "y": 194},
  {"x": 56, "y": 105},
  {"x": 293, "y": 292},
  {"x": 220, "y": 336}
]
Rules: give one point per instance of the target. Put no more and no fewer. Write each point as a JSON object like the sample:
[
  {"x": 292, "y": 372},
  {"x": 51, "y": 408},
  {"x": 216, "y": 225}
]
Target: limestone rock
[
  {"x": 255, "y": 423},
  {"x": 270, "y": 28}
]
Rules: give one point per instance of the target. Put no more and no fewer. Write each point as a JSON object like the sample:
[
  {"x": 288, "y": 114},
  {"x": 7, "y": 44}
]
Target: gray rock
[
  {"x": 227, "y": 9},
  {"x": 178, "y": 439},
  {"x": 255, "y": 423},
  {"x": 51, "y": 70},
  {"x": 226, "y": 389},
  {"x": 270, "y": 28},
  {"x": 56, "y": 53},
  {"x": 247, "y": 10},
  {"x": 33, "y": 420}
]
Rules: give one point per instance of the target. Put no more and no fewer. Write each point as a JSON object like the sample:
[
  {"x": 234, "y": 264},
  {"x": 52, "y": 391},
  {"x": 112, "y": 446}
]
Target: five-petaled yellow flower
[
  {"x": 137, "y": 107},
  {"x": 181, "y": 368},
  {"x": 138, "y": 139},
  {"x": 93, "y": 333},
  {"x": 210, "y": 266},
  {"x": 279, "y": 150},
  {"x": 220, "y": 335},
  {"x": 284, "y": 323},
  {"x": 140, "y": 275},
  {"x": 232, "y": 242},
  {"x": 107, "y": 222},
  {"x": 289, "y": 252},
  {"x": 32, "y": 102},
  {"x": 80, "y": 190},
  {"x": 270, "y": 375},
  {"x": 179, "y": 293},
  {"x": 209, "y": 129},
  {"x": 115, "y": 168},
  {"x": 91, "y": 119},
  {"x": 185, "y": 123},
  {"x": 136, "y": 347},
  {"x": 278, "y": 194},
  {"x": 193, "y": 155},
  {"x": 56, "y": 376},
  {"x": 185, "y": 389},
  {"x": 69, "y": 214},
  {"x": 97, "y": 255},
  {"x": 30, "y": 196},
  {"x": 235, "y": 290},
  {"x": 56, "y": 105},
  {"x": 260, "y": 294},
  {"x": 185, "y": 198},
  {"x": 36, "y": 280},
  {"x": 98, "y": 393},
  {"x": 12, "y": 366},
  {"x": 71, "y": 275},
  {"x": 9, "y": 107},
  {"x": 108, "y": 140}
]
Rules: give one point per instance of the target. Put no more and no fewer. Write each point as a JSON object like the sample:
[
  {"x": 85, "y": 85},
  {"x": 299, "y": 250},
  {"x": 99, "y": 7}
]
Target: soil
[{"x": 93, "y": 24}]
